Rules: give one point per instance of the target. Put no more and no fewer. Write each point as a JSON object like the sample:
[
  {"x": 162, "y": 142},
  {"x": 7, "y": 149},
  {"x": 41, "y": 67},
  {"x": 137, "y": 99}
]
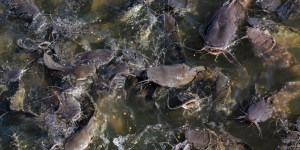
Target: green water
[{"x": 127, "y": 121}]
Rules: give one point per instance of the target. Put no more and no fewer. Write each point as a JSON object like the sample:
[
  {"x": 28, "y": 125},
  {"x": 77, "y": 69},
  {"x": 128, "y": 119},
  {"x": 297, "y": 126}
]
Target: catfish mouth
[
  {"x": 190, "y": 104},
  {"x": 76, "y": 117},
  {"x": 185, "y": 103},
  {"x": 54, "y": 147},
  {"x": 215, "y": 50}
]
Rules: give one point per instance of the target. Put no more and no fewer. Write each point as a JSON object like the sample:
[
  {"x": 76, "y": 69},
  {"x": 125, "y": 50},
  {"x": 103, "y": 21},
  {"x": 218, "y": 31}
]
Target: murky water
[{"x": 125, "y": 119}]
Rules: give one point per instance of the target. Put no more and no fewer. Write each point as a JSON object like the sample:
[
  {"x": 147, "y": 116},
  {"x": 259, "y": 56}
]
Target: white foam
[{"x": 120, "y": 140}]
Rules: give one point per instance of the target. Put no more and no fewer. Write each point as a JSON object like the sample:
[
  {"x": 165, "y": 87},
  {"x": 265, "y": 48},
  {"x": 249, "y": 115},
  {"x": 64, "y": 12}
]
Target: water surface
[{"x": 126, "y": 119}]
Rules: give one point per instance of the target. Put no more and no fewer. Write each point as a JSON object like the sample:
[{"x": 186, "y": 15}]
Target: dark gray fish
[
  {"x": 221, "y": 90},
  {"x": 262, "y": 22},
  {"x": 261, "y": 41},
  {"x": 291, "y": 140},
  {"x": 81, "y": 139},
  {"x": 83, "y": 71},
  {"x": 221, "y": 30},
  {"x": 269, "y": 5},
  {"x": 172, "y": 75},
  {"x": 174, "y": 52},
  {"x": 171, "y": 28},
  {"x": 78, "y": 72},
  {"x": 202, "y": 139},
  {"x": 274, "y": 54},
  {"x": 207, "y": 139},
  {"x": 119, "y": 69},
  {"x": 114, "y": 79},
  {"x": 169, "y": 23},
  {"x": 69, "y": 107},
  {"x": 178, "y": 3},
  {"x": 29, "y": 12},
  {"x": 98, "y": 57},
  {"x": 48, "y": 61},
  {"x": 273, "y": 105},
  {"x": 12, "y": 75},
  {"x": 289, "y": 10},
  {"x": 32, "y": 46},
  {"x": 23, "y": 9},
  {"x": 259, "y": 111}
]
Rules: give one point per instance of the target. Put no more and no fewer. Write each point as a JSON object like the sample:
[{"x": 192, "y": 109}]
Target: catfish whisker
[
  {"x": 256, "y": 124},
  {"x": 227, "y": 58},
  {"x": 197, "y": 50},
  {"x": 216, "y": 58},
  {"x": 203, "y": 56},
  {"x": 203, "y": 49},
  {"x": 232, "y": 57},
  {"x": 250, "y": 125}
]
